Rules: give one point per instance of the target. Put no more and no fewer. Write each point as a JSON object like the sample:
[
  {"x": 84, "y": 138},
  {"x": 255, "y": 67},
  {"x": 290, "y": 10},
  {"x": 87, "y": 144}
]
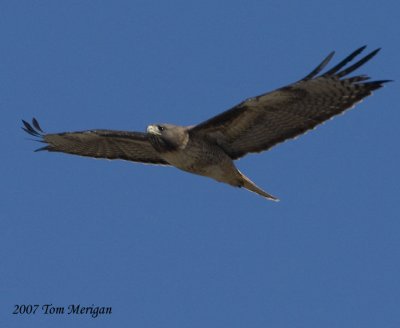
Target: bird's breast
[{"x": 201, "y": 158}]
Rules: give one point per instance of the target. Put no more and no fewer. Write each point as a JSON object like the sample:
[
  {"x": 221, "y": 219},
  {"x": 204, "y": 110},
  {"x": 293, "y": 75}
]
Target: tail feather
[{"x": 251, "y": 186}]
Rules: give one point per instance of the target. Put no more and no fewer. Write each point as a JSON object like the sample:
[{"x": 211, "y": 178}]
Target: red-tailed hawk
[{"x": 255, "y": 125}]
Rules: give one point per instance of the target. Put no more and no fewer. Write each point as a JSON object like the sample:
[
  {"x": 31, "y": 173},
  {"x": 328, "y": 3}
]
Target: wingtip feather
[
  {"x": 357, "y": 64},
  {"x": 42, "y": 149},
  {"x": 320, "y": 67},
  {"x": 335, "y": 71},
  {"x": 36, "y": 125},
  {"x": 34, "y": 129}
]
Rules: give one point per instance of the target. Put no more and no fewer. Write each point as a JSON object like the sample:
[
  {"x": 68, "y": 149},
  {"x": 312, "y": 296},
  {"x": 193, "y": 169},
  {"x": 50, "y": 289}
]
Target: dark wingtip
[
  {"x": 344, "y": 62},
  {"x": 42, "y": 149},
  {"x": 356, "y": 65},
  {"x": 385, "y": 81},
  {"x": 361, "y": 49},
  {"x": 320, "y": 67},
  {"x": 336, "y": 70},
  {"x": 373, "y": 85},
  {"x": 36, "y": 125},
  {"x": 35, "y": 131},
  {"x": 26, "y": 130}
]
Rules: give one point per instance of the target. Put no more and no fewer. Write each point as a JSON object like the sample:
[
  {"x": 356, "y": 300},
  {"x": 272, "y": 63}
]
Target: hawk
[{"x": 210, "y": 148}]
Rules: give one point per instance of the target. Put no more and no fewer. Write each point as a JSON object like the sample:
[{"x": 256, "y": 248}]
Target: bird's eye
[{"x": 160, "y": 128}]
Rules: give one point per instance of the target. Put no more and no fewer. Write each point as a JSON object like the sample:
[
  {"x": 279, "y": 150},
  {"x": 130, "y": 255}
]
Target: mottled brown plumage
[{"x": 255, "y": 125}]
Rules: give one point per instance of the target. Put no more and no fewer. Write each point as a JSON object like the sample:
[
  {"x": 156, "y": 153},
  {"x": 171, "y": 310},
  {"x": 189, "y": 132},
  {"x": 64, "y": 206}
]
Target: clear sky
[{"x": 165, "y": 248}]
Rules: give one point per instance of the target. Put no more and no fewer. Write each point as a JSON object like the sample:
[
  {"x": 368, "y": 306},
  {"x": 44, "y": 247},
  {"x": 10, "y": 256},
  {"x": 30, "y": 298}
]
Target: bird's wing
[
  {"x": 261, "y": 122},
  {"x": 131, "y": 146}
]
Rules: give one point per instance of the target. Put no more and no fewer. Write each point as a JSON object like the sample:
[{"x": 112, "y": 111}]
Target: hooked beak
[{"x": 152, "y": 129}]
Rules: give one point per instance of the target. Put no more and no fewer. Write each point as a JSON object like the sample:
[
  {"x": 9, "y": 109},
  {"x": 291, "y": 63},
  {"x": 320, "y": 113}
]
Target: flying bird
[{"x": 210, "y": 148}]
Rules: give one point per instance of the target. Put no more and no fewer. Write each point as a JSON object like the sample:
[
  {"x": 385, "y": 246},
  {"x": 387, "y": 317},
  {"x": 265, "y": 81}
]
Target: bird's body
[
  {"x": 210, "y": 148},
  {"x": 200, "y": 157},
  {"x": 203, "y": 157}
]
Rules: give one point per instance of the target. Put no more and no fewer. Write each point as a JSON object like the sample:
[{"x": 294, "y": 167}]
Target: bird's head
[{"x": 167, "y": 137}]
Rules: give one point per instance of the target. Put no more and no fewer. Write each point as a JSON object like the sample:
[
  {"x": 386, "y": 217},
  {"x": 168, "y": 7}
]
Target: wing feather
[
  {"x": 261, "y": 122},
  {"x": 131, "y": 146}
]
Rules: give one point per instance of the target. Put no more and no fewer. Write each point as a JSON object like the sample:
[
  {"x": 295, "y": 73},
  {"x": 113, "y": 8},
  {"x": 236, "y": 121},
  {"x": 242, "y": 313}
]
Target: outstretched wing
[
  {"x": 131, "y": 146},
  {"x": 261, "y": 122}
]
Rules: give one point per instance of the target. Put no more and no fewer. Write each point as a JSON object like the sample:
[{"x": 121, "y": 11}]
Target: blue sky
[{"x": 168, "y": 249}]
